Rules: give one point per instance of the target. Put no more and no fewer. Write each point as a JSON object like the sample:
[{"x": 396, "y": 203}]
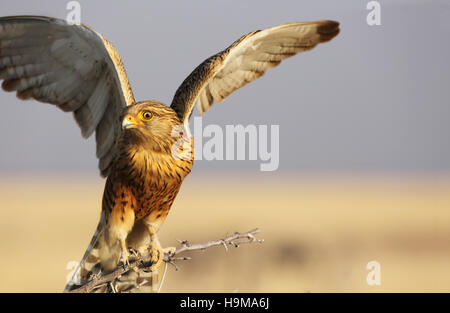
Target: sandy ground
[{"x": 320, "y": 231}]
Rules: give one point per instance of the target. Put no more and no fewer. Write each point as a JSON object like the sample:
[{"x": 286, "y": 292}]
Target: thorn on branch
[{"x": 139, "y": 263}]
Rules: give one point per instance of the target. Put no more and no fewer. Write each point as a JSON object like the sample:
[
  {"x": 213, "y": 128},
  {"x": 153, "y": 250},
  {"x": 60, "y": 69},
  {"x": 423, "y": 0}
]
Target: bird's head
[{"x": 150, "y": 124}]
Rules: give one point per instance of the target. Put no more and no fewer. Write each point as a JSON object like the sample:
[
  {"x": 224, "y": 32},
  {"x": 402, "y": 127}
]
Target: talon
[
  {"x": 135, "y": 253},
  {"x": 124, "y": 259}
]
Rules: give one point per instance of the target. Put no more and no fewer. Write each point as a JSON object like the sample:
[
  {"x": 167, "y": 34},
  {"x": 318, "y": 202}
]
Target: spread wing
[
  {"x": 70, "y": 66},
  {"x": 245, "y": 60}
]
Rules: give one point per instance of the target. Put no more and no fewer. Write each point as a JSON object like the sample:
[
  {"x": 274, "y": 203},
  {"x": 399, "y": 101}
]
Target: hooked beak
[{"x": 129, "y": 122}]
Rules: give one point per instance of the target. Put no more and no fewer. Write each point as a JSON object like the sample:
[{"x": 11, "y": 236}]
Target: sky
[{"x": 374, "y": 99}]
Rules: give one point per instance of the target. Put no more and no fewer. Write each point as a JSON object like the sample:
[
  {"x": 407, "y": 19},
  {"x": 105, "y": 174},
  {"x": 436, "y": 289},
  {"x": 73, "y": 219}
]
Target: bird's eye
[{"x": 145, "y": 116}]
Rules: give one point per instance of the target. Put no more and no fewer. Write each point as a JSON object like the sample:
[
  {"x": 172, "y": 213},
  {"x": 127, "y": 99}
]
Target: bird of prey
[{"x": 144, "y": 148}]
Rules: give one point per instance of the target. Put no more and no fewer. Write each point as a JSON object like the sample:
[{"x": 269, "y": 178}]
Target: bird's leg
[
  {"x": 156, "y": 249},
  {"x": 125, "y": 254}
]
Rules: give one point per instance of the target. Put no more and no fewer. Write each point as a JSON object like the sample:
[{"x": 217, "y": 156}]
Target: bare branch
[
  {"x": 144, "y": 263},
  {"x": 229, "y": 240}
]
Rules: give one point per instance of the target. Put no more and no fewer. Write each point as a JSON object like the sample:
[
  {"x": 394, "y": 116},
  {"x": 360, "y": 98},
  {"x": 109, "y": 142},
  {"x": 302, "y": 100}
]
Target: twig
[
  {"x": 230, "y": 240},
  {"x": 143, "y": 263}
]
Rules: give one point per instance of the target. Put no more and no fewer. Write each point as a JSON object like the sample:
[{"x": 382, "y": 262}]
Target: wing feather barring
[{"x": 79, "y": 71}]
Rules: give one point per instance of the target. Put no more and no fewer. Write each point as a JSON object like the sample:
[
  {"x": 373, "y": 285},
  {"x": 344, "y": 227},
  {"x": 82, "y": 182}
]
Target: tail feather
[
  {"x": 102, "y": 257},
  {"x": 91, "y": 261},
  {"x": 138, "y": 282}
]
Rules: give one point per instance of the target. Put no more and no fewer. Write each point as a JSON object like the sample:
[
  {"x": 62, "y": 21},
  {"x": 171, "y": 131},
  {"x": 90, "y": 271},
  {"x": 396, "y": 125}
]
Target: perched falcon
[{"x": 144, "y": 148}]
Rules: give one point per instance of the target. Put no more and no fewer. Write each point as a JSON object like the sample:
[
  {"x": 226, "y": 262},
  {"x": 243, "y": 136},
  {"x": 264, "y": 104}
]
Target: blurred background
[{"x": 364, "y": 170}]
